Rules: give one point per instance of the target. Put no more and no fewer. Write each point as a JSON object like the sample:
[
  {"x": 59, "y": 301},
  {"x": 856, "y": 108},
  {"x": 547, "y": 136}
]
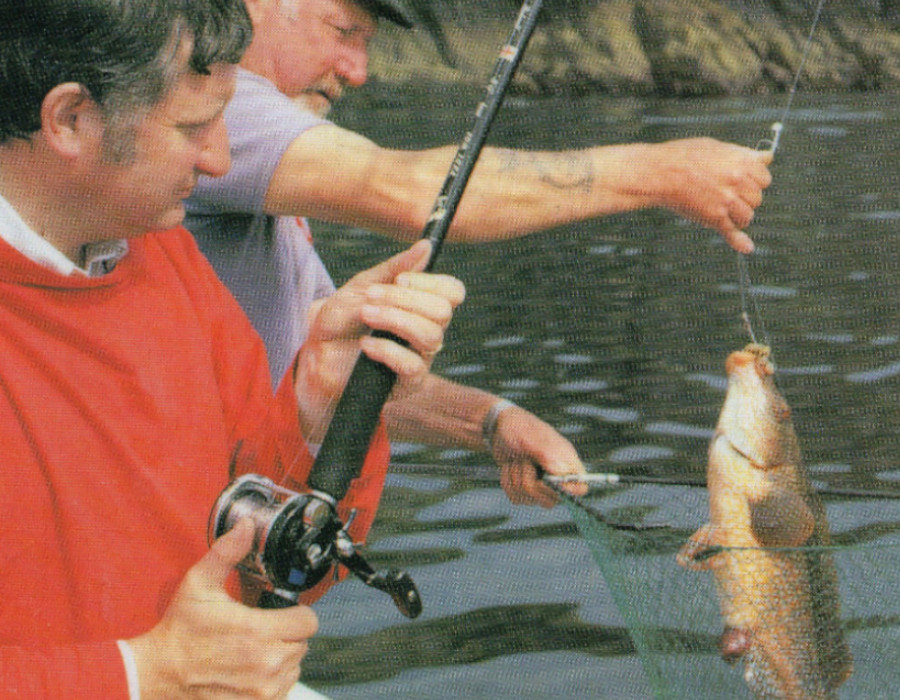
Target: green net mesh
[{"x": 674, "y": 616}]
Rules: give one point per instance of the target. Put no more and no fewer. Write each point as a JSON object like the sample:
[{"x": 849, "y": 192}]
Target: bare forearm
[
  {"x": 441, "y": 413},
  {"x": 510, "y": 193},
  {"x": 333, "y": 174}
]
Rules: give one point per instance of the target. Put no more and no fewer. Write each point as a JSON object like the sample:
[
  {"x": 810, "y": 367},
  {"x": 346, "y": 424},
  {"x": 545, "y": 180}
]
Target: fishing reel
[{"x": 299, "y": 539}]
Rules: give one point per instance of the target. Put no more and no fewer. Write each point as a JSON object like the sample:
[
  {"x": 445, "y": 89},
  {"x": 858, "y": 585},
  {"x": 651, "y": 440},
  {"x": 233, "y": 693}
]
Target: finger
[
  {"x": 751, "y": 193},
  {"x": 757, "y": 168},
  {"x": 510, "y": 484},
  {"x": 765, "y": 157},
  {"x": 435, "y": 307},
  {"x": 574, "y": 468},
  {"x": 542, "y": 494},
  {"x": 412, "y": 259},
  {"x": 524, "y": 487},
  {"x": 226, "y": 552},
  {"x": 446, "y": 286},
  {"x": 739, "y": 241},
  {"x": 293, "y": 625},
  {"x": 405, "y": 363},
  {"x": 741, "y": 213},
  {"x": 422, "y": 334}
]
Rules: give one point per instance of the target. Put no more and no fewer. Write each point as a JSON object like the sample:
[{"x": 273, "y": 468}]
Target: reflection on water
[{"x": 616, "y": 333}]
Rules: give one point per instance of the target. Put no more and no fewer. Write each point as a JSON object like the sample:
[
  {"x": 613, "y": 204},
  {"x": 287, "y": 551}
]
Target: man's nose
[
  {"x": 215, "y": 158},
  {"x": 353, "y": 65}
]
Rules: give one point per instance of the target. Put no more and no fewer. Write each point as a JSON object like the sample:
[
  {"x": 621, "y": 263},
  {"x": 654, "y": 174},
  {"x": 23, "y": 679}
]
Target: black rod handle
[{"x": 349, "y": 435}]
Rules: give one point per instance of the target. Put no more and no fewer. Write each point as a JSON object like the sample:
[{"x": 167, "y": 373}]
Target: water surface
[{"x": 616, "y": 332}]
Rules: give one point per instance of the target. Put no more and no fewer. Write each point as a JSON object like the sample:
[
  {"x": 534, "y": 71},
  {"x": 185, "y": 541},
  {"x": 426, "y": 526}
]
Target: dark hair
[{"x": 124, "y": 52}]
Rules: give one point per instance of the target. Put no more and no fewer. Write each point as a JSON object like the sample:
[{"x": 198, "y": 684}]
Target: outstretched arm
[
  {"x": 334, "y": 174},
  {"x": 448, "y": 414}
]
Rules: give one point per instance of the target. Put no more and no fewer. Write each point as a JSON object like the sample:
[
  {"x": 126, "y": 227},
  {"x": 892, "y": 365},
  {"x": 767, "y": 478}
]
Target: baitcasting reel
[{"x": 299, "y": 538}]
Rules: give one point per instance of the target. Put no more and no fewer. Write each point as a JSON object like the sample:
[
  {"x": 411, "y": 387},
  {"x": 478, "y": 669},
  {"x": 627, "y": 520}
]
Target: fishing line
[
  {"x": 778, "y": 126},
  {"x": 771, "y": 145},
  {"x": 747, "y": 294}
]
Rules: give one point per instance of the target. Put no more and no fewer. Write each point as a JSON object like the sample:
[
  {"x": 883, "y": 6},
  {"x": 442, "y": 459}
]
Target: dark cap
[{"x": 393, "y": 10}]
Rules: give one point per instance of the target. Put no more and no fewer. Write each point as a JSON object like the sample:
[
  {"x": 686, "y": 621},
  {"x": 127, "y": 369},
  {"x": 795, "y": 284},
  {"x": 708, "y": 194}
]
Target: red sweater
[{"x": 122, "y": 400}]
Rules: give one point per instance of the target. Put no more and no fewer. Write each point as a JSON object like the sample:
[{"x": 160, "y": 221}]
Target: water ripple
[
  {"x": 807, "y": 370},
  {"x": 463, "y": 370},
  {"x": 610, "y": 415},
  {"x": 504, "y": 342},
  {"x": 874, "y": 375},
  {"x": 583, "y": 386},
  {"x": 635, "y": 454},
  {"x": 877, "y": 216},
  {"x": 713, "y": 381},
  {"x": 520, "y": 384},
  {"x": 573, "y": 359},
  {"x": 885, "y": 340},
  {"x": 679, "y": 430},
  {"x": 762, "y": 290},
  {"x": 835, "y": 338}
]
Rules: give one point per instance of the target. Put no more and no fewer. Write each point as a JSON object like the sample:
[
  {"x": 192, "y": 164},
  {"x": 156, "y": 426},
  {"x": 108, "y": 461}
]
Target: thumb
[
  {"x": 413, "y": 259},
  {"x": 226, "y": 552}
]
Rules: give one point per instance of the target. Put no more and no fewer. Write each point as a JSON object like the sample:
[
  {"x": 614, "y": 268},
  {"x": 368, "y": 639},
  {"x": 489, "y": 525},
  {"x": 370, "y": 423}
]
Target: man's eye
[
  {"x": 193, "y": 131},
  {"x": 345, "y": 32}
]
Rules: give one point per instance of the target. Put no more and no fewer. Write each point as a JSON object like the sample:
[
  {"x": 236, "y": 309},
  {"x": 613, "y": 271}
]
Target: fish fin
[
  {"x": 734, "y": 643},
  {"x": 781, "y": 519},
  {"x": 699, "y": 552}
]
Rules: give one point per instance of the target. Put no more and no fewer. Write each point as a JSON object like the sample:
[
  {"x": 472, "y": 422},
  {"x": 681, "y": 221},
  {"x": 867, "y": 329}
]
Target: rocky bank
[{"x": 664, "y": 47}]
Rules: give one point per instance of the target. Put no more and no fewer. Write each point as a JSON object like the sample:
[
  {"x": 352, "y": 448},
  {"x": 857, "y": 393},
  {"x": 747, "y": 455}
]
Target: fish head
[{"x": 755, "y": 418}]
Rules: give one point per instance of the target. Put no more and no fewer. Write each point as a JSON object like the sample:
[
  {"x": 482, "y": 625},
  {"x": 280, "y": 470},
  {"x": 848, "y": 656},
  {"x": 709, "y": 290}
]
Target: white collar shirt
[{"x": 99, "y": 258}]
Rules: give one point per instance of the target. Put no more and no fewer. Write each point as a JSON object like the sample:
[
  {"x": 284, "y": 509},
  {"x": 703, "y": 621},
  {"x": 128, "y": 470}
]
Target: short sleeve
[{"x": 261, "y": 124}]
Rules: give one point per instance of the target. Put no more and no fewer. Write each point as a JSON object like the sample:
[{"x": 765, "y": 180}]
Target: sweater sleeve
[{"x": 78, "y": 671}]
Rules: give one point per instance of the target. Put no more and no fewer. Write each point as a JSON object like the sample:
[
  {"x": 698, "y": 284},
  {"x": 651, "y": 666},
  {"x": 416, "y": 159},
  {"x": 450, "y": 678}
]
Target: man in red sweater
[{"x": 129, "y": 377}]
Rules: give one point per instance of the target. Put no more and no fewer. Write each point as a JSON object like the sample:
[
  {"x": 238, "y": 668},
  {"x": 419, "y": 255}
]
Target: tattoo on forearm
[{"x": 564, "y": 171}]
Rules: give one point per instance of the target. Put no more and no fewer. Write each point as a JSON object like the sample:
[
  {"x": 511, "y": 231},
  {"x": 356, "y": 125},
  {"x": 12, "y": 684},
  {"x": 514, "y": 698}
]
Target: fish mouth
[{"x": 753, "y": 355}]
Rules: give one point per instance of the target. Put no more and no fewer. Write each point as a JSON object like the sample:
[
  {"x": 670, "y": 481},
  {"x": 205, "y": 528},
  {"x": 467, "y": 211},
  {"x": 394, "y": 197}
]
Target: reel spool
[{"x": 298, "y": 540}]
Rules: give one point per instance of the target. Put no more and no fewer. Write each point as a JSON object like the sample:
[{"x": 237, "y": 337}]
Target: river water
[{"x": 616, "y": 332}]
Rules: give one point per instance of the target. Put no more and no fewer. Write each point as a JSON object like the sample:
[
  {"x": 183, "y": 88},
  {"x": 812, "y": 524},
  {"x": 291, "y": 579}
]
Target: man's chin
[
  {"x": 170, "y": 219},
  {"x": 315, "y": 103}
]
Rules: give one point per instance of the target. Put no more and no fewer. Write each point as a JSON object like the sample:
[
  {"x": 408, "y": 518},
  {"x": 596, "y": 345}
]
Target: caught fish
[{"x": 780, "y": 604}]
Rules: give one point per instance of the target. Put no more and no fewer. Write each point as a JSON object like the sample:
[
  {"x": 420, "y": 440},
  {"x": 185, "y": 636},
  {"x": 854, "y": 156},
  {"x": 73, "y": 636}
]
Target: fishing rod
[
  {"x": 610, "y": 480},
  {"x": 600, "y": 480},
  {"x": 300, "y": 537},
  {"x": 771, "y": 145}
]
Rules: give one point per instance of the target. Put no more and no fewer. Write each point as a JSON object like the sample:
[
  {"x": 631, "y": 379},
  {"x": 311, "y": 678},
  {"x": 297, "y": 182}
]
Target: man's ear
[{"x": 70, "y": 119}]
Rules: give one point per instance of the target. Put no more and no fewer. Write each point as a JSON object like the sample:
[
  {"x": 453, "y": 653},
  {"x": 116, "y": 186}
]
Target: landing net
[{"x": 673, "y": 613}]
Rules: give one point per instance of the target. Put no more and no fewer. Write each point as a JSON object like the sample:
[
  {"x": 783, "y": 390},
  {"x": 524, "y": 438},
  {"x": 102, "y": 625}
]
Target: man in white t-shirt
[{"x": 288, "y": 163}]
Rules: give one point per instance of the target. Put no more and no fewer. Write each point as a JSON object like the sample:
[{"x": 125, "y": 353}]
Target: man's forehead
[{"x": 196, "y": 96}]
